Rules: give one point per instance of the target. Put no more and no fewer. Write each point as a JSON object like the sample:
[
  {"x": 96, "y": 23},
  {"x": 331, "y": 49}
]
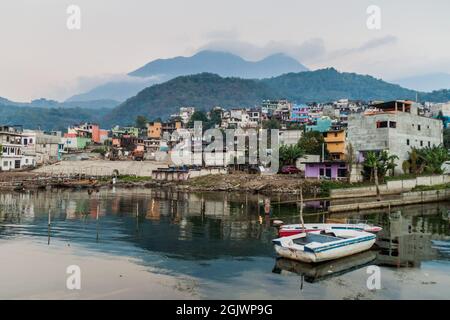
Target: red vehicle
[{"x": 290, "y": 170}]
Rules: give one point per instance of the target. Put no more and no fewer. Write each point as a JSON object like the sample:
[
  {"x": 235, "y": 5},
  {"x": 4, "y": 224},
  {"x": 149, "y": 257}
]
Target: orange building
[
  {"x": 154, "y": 130},
  {"x": 335, "y": 141}
]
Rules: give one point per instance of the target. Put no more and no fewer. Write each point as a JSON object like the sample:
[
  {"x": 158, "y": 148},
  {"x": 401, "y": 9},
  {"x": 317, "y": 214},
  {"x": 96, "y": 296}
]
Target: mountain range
[
  {"x": 160, "y": 87},
  {"x": 206, "y": 90},
  {"x": 222, "y": 63}
]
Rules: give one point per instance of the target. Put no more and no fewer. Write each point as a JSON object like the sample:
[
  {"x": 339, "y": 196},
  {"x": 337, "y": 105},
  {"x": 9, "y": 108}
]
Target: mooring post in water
[
  {"x": 96, "y": 218},
  {"x": 48, "y": 229},
  {"x": 301, "y": 210}
]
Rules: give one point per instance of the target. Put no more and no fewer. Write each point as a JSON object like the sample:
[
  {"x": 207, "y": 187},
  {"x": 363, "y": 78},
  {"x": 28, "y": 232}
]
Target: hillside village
[{"x": 349, "y": 131}]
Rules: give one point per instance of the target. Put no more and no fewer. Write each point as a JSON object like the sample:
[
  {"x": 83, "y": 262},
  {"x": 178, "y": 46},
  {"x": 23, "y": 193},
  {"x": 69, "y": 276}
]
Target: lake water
[{"x": 155, "y": 244}]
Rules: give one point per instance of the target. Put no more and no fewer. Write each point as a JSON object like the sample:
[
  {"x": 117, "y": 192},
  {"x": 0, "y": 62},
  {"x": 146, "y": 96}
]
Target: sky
[{"x": 41, "y": 57}]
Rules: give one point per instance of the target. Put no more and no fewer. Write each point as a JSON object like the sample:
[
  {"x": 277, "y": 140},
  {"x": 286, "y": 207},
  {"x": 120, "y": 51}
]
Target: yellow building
[{"x": 335, "y": 141}]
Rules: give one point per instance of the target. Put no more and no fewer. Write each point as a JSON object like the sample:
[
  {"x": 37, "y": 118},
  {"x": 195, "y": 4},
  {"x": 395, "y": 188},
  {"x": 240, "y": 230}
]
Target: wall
[
  {"x": 403, "y": 199},
  {"x": 391, "y": 187}
]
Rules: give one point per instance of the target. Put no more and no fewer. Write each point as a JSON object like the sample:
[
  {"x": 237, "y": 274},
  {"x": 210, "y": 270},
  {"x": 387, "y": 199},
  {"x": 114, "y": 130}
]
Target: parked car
[{"x": 290, "y": 170}]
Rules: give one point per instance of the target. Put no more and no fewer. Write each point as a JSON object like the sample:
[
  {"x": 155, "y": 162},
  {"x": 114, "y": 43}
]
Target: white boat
[
  {"x": 317, "y": 247},
  {"x": 292, "y": 229}
]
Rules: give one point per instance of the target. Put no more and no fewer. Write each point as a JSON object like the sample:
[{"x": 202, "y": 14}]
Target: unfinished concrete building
[{"x": 394, "y": 126}]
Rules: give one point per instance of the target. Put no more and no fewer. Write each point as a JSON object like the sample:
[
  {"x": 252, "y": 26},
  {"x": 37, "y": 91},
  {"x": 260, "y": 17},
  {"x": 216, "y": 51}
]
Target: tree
[
  {"x": 271, "y": 124},
  {"x": 215, "y": 118},
  {"x": 371, "y": 161},
  {"x": 198, "y": 116},
  {"x": 141, "y": 122},
  {"x": 427, "y": 160},
  {"x": 386, "y": 163},
  {"x": 312, "y": 142},
  {"x": 289, "y": 154},
  {"x": 350, "y": 160}
]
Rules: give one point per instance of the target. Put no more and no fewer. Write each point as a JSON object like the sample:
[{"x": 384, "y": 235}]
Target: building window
[
  {"x": 392, "y": 124},
  {"x": 407, "y": 142},
  {"x": 429, "y": 144},
  {"x": 421, "y": 143},
  {"x": 382, "y": 124},
  {"x": 342, "y": 173},
  {"x": 418, "y": 127}
]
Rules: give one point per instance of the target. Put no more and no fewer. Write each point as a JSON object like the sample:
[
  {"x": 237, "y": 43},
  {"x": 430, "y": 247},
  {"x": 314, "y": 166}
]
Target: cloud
[
  {"x": 311, "y": 51},
  {"x": 87, "y": 83},
  {"x": 228, "y": 41},
  {"x": 370, "y": 45}
]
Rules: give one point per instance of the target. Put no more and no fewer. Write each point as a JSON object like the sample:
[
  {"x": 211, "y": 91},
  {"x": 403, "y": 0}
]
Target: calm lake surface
[{"x": 155, "y": 244}]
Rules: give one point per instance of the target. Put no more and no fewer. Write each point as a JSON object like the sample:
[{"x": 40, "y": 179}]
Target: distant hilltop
[
  {"x": 221, "y": 63},
  {"x": 206, "y": 90}
]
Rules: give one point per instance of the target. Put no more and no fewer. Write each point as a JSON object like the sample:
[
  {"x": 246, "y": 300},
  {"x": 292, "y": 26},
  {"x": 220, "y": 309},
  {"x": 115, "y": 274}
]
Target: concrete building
[
  {"x": 40, "y": 147},
  {"x": 184, "y": 114},
  {"x": 394, "y": 126},
  {"x": 290, "y": 137},
  {"x": 299, "y": 113},
  {"x": 269, "y": 106}
]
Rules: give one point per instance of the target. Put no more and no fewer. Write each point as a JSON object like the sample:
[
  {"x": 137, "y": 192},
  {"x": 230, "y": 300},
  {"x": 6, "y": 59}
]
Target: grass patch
[
  {"x": 430, "y": 188},
  {"x": 327, "y": 185},
  {"x": 405, "y": 177},
  {"x": 128, "y": 178}
]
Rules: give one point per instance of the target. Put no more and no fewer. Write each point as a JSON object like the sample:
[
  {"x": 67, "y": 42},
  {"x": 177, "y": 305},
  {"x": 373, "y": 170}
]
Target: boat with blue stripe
[{"x": 325, "y": 245}]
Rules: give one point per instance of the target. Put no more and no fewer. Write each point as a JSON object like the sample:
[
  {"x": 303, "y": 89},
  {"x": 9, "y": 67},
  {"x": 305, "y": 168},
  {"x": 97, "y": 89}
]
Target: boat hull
[{"x": 319, "y": 252}]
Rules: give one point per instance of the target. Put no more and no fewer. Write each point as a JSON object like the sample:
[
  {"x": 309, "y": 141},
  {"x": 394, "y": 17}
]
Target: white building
[
  {"x": 45, "y": 147},
  {"x": 11, "y": 148}
]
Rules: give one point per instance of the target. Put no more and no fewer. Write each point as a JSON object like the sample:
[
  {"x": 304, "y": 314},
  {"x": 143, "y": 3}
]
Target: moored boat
[
  {"x": 292, "y": 229},
  {"x": 321, "y": 246}
]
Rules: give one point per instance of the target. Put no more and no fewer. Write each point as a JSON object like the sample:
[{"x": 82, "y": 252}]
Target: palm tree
[
  {"x": 386, "y": 163},
  {"x": 372, "y": 162},
  {"x": 288, "y": 154}
]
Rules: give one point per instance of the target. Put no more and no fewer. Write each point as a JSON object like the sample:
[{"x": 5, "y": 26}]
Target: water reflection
[
  {"x": 318, "y": 272},
  {"x": 215, "y": 237}
]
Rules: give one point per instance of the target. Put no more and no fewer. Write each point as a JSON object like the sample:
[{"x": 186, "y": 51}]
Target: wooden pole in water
[
  {"x": 301, "y": 210},
  {"x": 137, "y": 216},
  {"x": 49, "y": 222}
]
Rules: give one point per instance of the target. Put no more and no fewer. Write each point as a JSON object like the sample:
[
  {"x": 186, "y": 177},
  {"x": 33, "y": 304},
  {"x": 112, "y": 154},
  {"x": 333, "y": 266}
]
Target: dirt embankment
[
  {"x": 237, "y": 182},
  {"x": 233, "y": 182}
]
